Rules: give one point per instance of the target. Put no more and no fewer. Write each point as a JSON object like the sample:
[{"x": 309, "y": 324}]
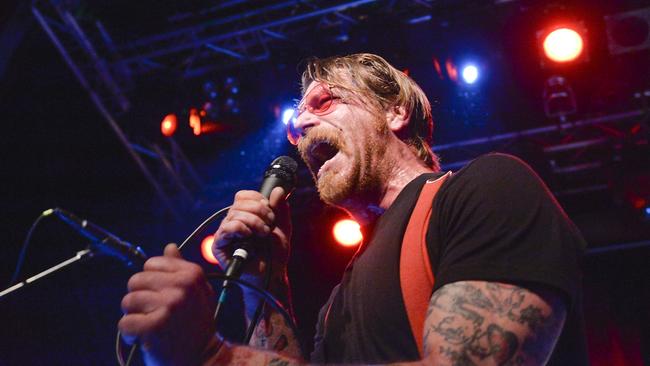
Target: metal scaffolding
[
  {"x": 238, "y": 32},
  {"x": 579, "y": 155},
  {"x": 224, "y": 35}
]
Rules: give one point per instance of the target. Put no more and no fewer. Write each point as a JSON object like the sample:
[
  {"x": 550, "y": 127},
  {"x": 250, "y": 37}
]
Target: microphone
[
  {"x": 281, "y": 173},
  {"x": 104, "y": 241}
]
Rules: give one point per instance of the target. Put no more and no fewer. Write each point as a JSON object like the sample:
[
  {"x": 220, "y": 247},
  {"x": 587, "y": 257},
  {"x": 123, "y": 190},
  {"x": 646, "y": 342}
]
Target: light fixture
[{"x": 347, "y": 233}]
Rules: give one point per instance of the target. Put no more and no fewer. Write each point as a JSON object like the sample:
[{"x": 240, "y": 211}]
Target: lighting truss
[
  {"x": 224, "y": 35},
  {"x": 236, "y": 39},
  {"x": 578, "y": 154}
]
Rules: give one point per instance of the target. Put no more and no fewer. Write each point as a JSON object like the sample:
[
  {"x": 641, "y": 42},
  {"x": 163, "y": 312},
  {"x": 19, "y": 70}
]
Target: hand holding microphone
[{"x": 256, "y": 215}]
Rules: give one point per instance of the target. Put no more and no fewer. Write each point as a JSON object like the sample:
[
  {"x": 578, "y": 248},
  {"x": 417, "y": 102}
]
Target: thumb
[
  {"x": 171, "y": 250},
  {"x": 279, "y": 204},
  {"x": 277, "y": 198}
]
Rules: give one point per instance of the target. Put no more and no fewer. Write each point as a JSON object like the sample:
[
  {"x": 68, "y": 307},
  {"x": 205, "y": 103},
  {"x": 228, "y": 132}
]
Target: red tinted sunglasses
[{"x": 318, "y": 101}]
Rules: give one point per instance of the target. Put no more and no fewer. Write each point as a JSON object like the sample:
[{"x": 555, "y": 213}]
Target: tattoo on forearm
[
  {"x": 273, "y": 334},
  {"x": 477, "y": 322},
  {"x": 281, "y": 343},
  {"x": 244, "y": 356},
  {"x": 279, "y": 362}
]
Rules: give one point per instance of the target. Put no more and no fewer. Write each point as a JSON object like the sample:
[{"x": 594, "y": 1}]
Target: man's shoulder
[
  {"x": 495, "y": 161},
  {"x": 496, "y": 168},
  {"x": 493, "y": 177}
]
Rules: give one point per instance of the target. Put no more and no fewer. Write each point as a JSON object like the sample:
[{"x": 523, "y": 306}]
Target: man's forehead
[{"x": 339, "y": 77}]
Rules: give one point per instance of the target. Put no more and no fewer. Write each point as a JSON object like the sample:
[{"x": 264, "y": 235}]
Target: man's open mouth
[{"x": 319, "y": 153}]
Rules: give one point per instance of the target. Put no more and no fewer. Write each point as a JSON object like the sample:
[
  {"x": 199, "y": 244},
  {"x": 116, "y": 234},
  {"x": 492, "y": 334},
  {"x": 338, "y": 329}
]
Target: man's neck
[
  {"x": 404, "y": 168},
  {"x": 407, "y": 168}
]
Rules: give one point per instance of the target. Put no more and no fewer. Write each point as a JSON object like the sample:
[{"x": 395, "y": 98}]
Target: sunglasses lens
[
  {"x": 318, "y": 101},
  {"x": 321, "y": 101}
]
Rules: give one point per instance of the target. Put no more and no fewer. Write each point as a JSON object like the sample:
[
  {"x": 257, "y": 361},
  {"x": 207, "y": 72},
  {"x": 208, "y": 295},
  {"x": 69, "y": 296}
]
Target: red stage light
[
  {"x": 195, "y": 121},
  {"x": 206, "y": 250},
  {"x": 168, "y": 125},
  {"x": 347, "y": 233},
  {"x": 563, "y": 45},
  {"x": 436, "y": 66},
  {"x": 639, "y": 203},
  {"x": 452, "y": 71}
]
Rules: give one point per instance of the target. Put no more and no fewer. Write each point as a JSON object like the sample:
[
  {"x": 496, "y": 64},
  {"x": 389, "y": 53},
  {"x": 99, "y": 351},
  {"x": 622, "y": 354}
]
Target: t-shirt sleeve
[{"x": 495, "y": 220}]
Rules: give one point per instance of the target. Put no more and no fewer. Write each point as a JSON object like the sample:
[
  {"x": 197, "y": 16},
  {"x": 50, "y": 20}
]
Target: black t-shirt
[{"x": 494, "y": 220}]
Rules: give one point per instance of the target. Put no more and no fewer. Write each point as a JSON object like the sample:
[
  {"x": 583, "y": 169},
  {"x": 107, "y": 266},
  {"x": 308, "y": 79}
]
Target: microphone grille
[{"x": 284, "y": 167}]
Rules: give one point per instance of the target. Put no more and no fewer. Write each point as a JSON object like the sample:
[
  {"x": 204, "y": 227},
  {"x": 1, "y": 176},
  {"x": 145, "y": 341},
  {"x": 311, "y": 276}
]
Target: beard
[{"x": 361, "y": 182}]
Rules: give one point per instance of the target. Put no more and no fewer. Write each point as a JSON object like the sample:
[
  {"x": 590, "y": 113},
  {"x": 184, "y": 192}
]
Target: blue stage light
[
  {"x": 470, "y": 74},
  {"x": 287, "y": 114}
]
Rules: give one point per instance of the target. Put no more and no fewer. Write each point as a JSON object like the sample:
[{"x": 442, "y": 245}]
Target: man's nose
[{"x": 303, "y": 123}]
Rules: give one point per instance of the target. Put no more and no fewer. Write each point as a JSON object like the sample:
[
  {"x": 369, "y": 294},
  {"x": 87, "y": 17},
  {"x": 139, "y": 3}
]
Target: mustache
[{"x": 316, "y": 135}]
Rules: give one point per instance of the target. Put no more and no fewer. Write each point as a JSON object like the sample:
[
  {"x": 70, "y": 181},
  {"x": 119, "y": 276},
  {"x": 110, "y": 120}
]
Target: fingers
[
  {"x": 168, "y": 309},
  {"x": 153, "y": 280},
  {"x": 253, "y": 215},
  {"x": 169, "y": 262},
  {"x": 250, "y": 214},
  {"x": 259, "y": 208},
  {"x": 242, "y": 224},
  {"x": 171, "y": 250},
  {"x": 142, "y": 301},
  {"x": 135, "y": 326}
]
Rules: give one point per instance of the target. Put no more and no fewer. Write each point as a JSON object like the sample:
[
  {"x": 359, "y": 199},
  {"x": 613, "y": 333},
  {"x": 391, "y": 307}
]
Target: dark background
[{"x": 58, "y": 151}]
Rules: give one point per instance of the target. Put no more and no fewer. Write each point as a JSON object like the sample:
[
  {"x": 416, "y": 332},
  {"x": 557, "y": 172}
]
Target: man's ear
[{"x": 397, "y": 119}]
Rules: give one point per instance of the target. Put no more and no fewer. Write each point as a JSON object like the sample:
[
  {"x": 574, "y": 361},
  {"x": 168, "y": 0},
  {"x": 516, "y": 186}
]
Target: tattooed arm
[
  {"x": 490, "y": 323},
  {"x": 468, "y": 323},
  {"x": 272, "y": 331},
  {"x": 273, "y": 341}
]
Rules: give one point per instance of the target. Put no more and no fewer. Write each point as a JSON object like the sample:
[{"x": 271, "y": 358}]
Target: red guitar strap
[{"x": 415, "y": 274}]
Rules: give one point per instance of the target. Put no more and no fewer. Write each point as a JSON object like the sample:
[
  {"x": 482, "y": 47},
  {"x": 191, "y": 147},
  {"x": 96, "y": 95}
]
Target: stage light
[
  {"x": 638, "y": 203},
  {"x": 347, "y": 233},
  {"x": 287, "y": 115},
  {"x": 168, "y": 125},
  {"x": 231, "y": 85},
  {"x": 470, "y": 74},
  {"x": 452, "y": 72},
  {"x": 636, "y": 193},
  {"x": 558, "y": 97},
  {"x": 195, "y": 121},
  {"x": 206, "y": 250},
  {"x": 563, "y": 45},
  {"x": 210, "y": 90},
  {"x": 438, "y": 68}
]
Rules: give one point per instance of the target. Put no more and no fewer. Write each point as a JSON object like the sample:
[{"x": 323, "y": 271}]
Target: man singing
[{"x": 505, "y": 258}]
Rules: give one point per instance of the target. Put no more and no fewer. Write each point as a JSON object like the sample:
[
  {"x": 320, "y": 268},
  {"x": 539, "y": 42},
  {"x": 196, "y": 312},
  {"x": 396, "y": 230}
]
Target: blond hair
[{"x": 381, "y": 83}]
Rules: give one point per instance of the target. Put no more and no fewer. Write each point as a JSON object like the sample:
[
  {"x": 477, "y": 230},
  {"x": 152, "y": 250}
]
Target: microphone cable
[
  {"x": 268, "y": 297},
  {"x": 23, "y": 249},
  {"x": 202, "y": 226},
  {"x": 263, "y": 293}
]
